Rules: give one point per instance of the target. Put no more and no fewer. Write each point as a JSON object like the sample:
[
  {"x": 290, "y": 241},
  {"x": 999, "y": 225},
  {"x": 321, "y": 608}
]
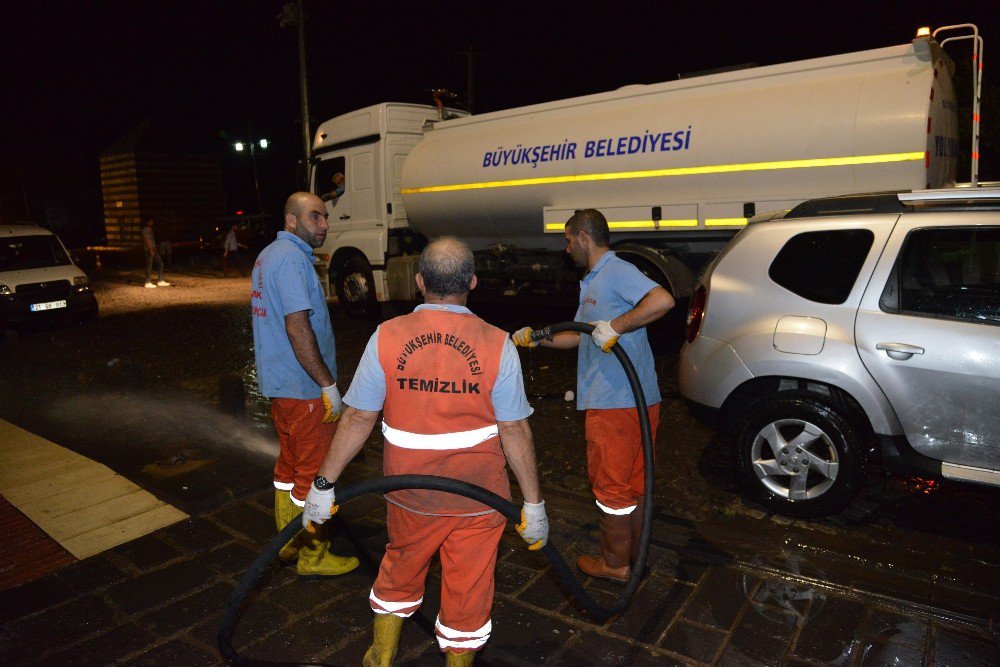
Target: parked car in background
[
  {"x": 38, "y": 278},
  {"x": 853, "y": 329}
]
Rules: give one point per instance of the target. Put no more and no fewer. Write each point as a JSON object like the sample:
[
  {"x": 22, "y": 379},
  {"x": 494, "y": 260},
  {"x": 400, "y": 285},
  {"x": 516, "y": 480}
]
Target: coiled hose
[{"x": 385, "y": 485}]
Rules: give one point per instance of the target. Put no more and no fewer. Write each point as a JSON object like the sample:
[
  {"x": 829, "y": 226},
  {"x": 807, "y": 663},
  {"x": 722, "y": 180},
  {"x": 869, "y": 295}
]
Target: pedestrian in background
[
  {"x": 619, "y": 300},
  {"x": 454, "y": 406},
  {"x": 151, "y": 253},
  {"x": 165, "y": 246},
  {"x": 296, "y": 359},
  {"x": 231, "y": 253}
]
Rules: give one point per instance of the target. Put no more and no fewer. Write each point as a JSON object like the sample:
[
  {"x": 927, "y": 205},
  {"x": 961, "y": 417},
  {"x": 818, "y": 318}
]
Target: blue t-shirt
[
  {"x": 283, "y": 282},
  {"x": 510, "y": 403},
  {"x": 612, "y": 288}
]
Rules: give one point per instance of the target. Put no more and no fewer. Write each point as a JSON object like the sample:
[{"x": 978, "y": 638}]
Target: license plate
[{"x": 48, "y": 305}]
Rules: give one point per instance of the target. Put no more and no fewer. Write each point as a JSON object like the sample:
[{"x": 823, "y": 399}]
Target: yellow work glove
[
  {"x": 333, "y": 403},
  {"x": 321, "y": 504},
  {"x": 604, "y": 336},
  {"x": 534, "y": 526},
  {"x": 522, "y": 338}
]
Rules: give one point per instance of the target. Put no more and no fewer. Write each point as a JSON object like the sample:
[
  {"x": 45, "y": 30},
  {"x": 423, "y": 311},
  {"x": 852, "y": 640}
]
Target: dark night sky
[{"x": 77, "y": 75}]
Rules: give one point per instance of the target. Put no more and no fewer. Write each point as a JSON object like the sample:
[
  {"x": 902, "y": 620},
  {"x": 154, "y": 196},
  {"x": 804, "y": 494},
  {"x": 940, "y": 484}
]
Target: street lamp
[{"x": 253, "y": 145}]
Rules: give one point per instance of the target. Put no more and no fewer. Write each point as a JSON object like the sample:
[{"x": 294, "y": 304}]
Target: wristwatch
[{"x": 322, "y": 483}]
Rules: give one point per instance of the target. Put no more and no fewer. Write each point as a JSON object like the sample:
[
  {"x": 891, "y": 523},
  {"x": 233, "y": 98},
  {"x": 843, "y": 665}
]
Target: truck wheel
[
  {"x": 796, "y": 454},
  {"x": 356, "y": 288},
  {"x": 667, "y": 333}
]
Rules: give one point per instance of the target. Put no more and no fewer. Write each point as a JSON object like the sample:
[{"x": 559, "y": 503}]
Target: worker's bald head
[
  {"x": 297, "y": 201},
  {"x": 591, "y": 222},
  {"x": 447, "y": 267}
]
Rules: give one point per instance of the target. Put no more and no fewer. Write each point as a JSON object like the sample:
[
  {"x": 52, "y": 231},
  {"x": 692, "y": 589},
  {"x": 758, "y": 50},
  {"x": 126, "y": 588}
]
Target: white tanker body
[
  {"x": 676, "y": 167},
  {"x": 700, "y": 149}
]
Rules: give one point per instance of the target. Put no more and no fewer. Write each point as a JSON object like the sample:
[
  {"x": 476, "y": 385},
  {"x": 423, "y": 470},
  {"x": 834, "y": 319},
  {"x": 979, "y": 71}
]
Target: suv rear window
[
  {"x": 822, "y": 266},
  {"x": 31, "y": 252}
]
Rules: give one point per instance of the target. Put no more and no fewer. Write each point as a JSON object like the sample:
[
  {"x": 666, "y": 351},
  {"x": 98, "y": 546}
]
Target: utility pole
[
  {"x": 304, "y": 83},
  {"x": 469, "y": 56},
  {"x": 253, "y": 145},
  {"x": 293, "y": 14},
  {"x": 256, "y": 179}
]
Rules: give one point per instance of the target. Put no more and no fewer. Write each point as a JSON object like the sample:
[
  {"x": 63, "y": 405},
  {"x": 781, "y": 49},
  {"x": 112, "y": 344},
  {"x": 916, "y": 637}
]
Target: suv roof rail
[
  {"x": 950, "y": 195},
  {"x": 898, "y": 202},
  {"x": 873, "y": 202}
]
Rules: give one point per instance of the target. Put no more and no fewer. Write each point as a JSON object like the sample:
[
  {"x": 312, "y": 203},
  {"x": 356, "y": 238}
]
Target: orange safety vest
[{"x": 440, "y": 368}]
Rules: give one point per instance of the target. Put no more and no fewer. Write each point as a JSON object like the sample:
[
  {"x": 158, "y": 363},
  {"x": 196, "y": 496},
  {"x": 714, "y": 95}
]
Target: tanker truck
[{"x": 677, "y": 168}]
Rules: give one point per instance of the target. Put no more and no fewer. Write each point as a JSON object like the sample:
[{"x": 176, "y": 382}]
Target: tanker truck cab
[{"x": 369, "y": 232}]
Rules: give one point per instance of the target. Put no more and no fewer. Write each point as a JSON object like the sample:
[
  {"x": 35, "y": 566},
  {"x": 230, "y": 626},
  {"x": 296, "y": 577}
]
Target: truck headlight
[
  {"x": 81, "y": 280},
  {"x": 4, "y": 290}
]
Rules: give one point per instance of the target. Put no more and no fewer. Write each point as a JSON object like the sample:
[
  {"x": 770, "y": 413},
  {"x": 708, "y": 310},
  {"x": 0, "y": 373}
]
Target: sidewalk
[
  {"x": 82, "y": 505},
  {"x": 157, "y": 600}
]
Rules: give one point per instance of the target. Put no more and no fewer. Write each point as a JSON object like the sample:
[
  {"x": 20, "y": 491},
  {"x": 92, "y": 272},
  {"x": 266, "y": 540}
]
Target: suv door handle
[
  {"x": 899, "y": 351},
  {"x": 345, "y": 217}
]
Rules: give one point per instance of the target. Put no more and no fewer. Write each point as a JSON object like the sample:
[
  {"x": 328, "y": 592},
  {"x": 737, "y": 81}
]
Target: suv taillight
[{"x": 696, "y": 313}]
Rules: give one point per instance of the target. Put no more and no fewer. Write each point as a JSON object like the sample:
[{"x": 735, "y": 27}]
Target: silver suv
[{"x": 853, "y": 326}]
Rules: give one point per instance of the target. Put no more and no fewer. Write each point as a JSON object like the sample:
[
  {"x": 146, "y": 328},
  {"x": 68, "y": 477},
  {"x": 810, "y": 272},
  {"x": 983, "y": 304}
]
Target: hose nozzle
[
  {"x": 537, "y": 335},
  {"x": 546, "y": 333}
]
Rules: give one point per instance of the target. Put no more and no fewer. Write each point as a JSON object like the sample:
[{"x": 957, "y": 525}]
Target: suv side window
[
  {"x": 949, "y": 272},
  {"x": 822, "y": 266}
]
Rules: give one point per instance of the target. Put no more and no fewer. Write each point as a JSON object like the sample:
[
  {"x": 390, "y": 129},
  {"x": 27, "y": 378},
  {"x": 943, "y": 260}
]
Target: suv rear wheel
[{"x": 798, "y": 455}]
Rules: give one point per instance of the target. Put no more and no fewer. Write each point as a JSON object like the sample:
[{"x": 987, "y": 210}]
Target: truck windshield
[{"x": 31, "y": 252}]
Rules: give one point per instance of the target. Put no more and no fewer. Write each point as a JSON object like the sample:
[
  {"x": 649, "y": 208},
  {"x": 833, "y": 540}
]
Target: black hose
[
  {"x": 636, "y": 571},
  {"x": 385, "y": 485}
]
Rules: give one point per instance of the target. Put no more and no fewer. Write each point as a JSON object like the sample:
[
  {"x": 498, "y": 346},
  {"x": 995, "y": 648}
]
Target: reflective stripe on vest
[{"x": 439, "y": 441}]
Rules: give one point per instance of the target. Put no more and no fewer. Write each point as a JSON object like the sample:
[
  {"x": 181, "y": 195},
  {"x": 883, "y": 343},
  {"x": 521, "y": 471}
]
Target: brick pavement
[{"x": 157, "y": 601}]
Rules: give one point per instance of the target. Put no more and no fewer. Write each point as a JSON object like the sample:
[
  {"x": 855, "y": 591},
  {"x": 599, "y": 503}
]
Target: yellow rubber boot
[
  {"x": 284, "y": 511},
  {"x": 382, "y": 652},
  {"x": 315, "y": 559},
  {"x": 459, "y": 658}
]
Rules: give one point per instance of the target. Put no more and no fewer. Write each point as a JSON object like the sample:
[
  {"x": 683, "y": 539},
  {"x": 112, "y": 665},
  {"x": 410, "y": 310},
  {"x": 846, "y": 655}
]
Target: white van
[{"x": 38, "y": 279}]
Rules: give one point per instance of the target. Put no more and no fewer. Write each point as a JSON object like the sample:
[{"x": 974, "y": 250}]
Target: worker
[
  {"x": 619, "y": 300},
  {"x": 297, "y": 369},
  {"x": 336, "y": 189},
  {"x": 450, "y": 389}
]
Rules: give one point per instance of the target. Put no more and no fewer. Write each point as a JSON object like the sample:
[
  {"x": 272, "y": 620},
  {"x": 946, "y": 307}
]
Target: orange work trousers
[
  {"x": 614, "y": 454},
  {"x": 304, "y": 440},
  {"x": 468, "y": 549}
]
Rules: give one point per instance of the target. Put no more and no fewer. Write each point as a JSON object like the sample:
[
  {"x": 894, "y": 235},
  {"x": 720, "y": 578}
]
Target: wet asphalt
[{"x": 161, "y": 388}]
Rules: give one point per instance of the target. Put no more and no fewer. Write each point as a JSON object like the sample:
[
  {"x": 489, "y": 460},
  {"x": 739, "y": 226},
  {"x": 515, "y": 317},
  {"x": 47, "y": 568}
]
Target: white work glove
[
  {"x": 333, "y": 403},
  {"x": 320, "y": 506},
  {"x": 534, "y": 526},
  {"x": 604, "y": 336},
  {"x": 522, "y": 338}
]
